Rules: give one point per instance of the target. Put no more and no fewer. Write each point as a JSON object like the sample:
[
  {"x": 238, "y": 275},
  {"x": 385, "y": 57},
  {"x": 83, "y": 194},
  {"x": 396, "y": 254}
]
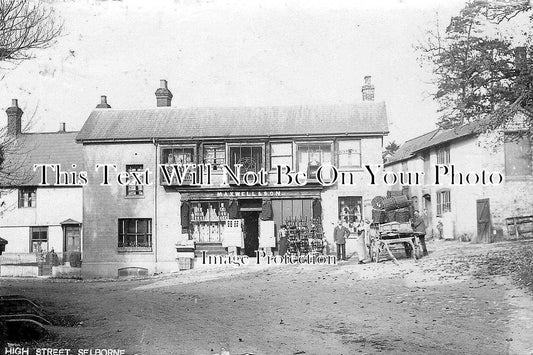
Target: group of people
[
  {"x": 363, "y": 232},
  {"x": 341, "y": 232}
]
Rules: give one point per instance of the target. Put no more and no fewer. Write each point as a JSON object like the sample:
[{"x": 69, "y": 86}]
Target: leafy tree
[
  {"x": 481, "y": 73},
  {"x": 390, "y": 149}
]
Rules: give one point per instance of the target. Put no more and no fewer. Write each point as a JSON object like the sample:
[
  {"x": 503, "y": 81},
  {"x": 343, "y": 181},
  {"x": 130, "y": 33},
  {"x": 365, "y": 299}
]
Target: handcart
[{"x": 388, "y": 234}]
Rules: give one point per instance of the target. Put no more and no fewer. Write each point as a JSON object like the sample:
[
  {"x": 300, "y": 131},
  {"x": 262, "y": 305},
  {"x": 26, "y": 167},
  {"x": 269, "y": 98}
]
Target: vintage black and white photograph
[{"x": 248, "y": 177}]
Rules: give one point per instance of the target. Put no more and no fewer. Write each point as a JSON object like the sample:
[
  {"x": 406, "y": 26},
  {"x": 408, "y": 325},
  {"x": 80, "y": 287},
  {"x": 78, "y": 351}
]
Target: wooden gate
[{"x": 484, "y": 230}]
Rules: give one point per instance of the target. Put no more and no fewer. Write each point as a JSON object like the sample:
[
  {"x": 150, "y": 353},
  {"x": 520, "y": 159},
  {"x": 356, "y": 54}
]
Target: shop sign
[{"x": 273, "y": 193}]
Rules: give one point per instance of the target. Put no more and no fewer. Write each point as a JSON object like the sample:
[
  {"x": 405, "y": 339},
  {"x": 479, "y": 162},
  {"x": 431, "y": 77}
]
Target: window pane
[
  {"x": 133, "y": 188},
  {"x": 130, "y": 226},
  {"x": 215, "y": 155},
  {"x": 251, "y": 158},
  {"x": 138, "y": 233},
  {"x": 311, "y": 156},
  {"x": 350, "y": 153},
  {"x": 177, "y": 155}
]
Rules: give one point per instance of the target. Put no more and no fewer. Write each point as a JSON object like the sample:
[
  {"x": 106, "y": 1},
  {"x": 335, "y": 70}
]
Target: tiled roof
[
  {"x": 408, "y": 148},
  {"x": 168, "y": 123},
  {"x": 39, "y": 148},
  {"x": 432, "y": 139}
]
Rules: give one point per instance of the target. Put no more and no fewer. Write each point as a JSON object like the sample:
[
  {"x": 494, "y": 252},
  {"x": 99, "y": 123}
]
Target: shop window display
[
  {"x": 350, "y": 211},
  {"x": 208, "y": 220}
]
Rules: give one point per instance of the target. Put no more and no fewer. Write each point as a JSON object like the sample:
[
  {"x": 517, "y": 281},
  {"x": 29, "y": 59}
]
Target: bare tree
[{"x": 26, "y": 25}]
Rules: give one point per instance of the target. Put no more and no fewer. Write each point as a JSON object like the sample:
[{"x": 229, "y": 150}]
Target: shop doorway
[{"x": 251, "y": 232}]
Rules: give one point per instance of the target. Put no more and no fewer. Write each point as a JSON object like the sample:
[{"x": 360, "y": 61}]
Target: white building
[
  {"x": 36, "y": 217},
  {"x": 474, "y": 211}
]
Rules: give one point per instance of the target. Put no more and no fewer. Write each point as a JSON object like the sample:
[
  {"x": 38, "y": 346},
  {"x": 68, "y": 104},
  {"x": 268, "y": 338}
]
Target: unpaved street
[{"x": 459, "y": 300}]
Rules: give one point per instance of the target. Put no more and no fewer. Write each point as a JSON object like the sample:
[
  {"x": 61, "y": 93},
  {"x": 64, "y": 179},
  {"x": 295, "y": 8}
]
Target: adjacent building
[
  {"x": 138, "y": 225},
  {"x": 37, "y": 218},
  {"x": 471, "y": 210}
]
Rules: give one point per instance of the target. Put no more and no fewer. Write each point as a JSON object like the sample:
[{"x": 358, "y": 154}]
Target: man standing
[
  {"x": 339, "y": 235},
  {"x": 420, "y": 227}
]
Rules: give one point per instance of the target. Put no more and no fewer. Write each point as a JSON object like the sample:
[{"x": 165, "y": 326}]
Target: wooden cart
[{"x": 384, "y": 238}]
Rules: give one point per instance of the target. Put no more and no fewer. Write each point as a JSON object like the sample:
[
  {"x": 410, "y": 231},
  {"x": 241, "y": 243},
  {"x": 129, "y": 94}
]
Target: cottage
[
  {"x": 135, "y": 228},
  {"x": 35, "y": 218},
  {"x": 484, "y": 179}
]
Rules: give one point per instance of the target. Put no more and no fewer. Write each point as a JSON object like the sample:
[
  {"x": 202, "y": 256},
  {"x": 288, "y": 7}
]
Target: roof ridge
[
  {"x": 36, "y": 133},
  {"x": 360, "y": 103},
  {"x": 420, "y": 136}
]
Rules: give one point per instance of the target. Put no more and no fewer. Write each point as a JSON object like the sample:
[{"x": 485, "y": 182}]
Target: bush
[{"x": 75, "y": 259}]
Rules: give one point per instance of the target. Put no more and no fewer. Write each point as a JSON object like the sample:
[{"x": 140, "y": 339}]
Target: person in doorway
[
  {"x": 282, "y": 240},
  {"x": 339, "y": 235},
  {"x": 419, "y": 227}
]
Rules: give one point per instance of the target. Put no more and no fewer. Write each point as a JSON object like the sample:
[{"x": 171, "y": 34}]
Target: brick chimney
[
  {"x": 368, "y": 89},
  {"x": 14, "y": 119},
  {"x": 163, "y": 95},
  {"x": 62, "y": 127},
  {"x": 103, "y": 102}
]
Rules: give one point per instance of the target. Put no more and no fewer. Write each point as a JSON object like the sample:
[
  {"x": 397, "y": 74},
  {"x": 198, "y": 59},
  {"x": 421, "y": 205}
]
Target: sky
[{"x": 231, "y": 53}]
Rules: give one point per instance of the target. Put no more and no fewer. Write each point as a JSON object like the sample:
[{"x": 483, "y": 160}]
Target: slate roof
[
  {"x": 233, "y": 122},
  {"x": 39, "y": 148},
  {"x": 432, "y": 139}
]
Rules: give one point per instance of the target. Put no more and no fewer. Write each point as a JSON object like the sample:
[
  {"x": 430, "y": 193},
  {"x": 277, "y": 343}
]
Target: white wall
[{"x": 53, "y": 206}]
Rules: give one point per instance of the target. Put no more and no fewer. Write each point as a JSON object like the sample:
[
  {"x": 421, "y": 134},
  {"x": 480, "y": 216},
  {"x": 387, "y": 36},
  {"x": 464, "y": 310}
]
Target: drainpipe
[{"x": 155, "y": 204}]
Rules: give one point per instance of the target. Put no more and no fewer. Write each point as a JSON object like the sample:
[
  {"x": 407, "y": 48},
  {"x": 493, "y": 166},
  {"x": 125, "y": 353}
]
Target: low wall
[{"x": 19, "y": 271}]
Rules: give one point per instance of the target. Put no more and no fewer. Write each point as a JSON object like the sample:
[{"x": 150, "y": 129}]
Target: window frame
[
  {"x": 124, "y": 235},
  {"x": 136, "y": 188},
  {"x": 443, "y": 206},
  {"x": 245, "y": 144},
  {"x": 302, "y": 143},
  {"x": 291, "y": 144},
  {"x": 164, "y": 147},
  {"x": 23, "y": 197},
  {"x": 215, "y": 168},
  {"x": 350, "y": 223},
  {"x": 359, "y": 153},
  {"x": 443, "y": 150},
  {"x": 39, "y": 229}
]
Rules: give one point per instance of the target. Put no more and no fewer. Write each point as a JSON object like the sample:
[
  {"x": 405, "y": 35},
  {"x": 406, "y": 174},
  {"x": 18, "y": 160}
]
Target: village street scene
[{"x": 266, "y": 177}]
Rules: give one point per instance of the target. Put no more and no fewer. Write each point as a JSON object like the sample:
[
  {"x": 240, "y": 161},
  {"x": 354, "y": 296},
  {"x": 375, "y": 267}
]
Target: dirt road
[{"x": 452, "y": 302}]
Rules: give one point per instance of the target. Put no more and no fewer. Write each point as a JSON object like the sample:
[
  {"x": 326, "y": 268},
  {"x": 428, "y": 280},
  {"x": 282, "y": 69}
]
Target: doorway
[
  {"x": 484, "y": 232},
  {"x": 72, "y": 241},
  {"x": 251, "y": 232}
]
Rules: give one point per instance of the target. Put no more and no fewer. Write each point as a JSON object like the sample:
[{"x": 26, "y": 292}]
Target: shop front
[{"x": 245, "y": 220}]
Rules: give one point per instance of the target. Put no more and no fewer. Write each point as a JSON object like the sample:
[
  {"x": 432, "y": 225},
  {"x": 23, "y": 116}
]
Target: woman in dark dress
[{"x": 282, "y": 240}]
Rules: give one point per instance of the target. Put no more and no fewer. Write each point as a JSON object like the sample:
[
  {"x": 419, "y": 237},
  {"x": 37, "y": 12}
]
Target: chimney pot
[
  {"x": 163, "y": 94},
  {"x": 103, "y": 102},
  {"x": 368, "y": 89},
  {"x": 62, "y": 127},
  {"x": 14, "y": 119}
]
